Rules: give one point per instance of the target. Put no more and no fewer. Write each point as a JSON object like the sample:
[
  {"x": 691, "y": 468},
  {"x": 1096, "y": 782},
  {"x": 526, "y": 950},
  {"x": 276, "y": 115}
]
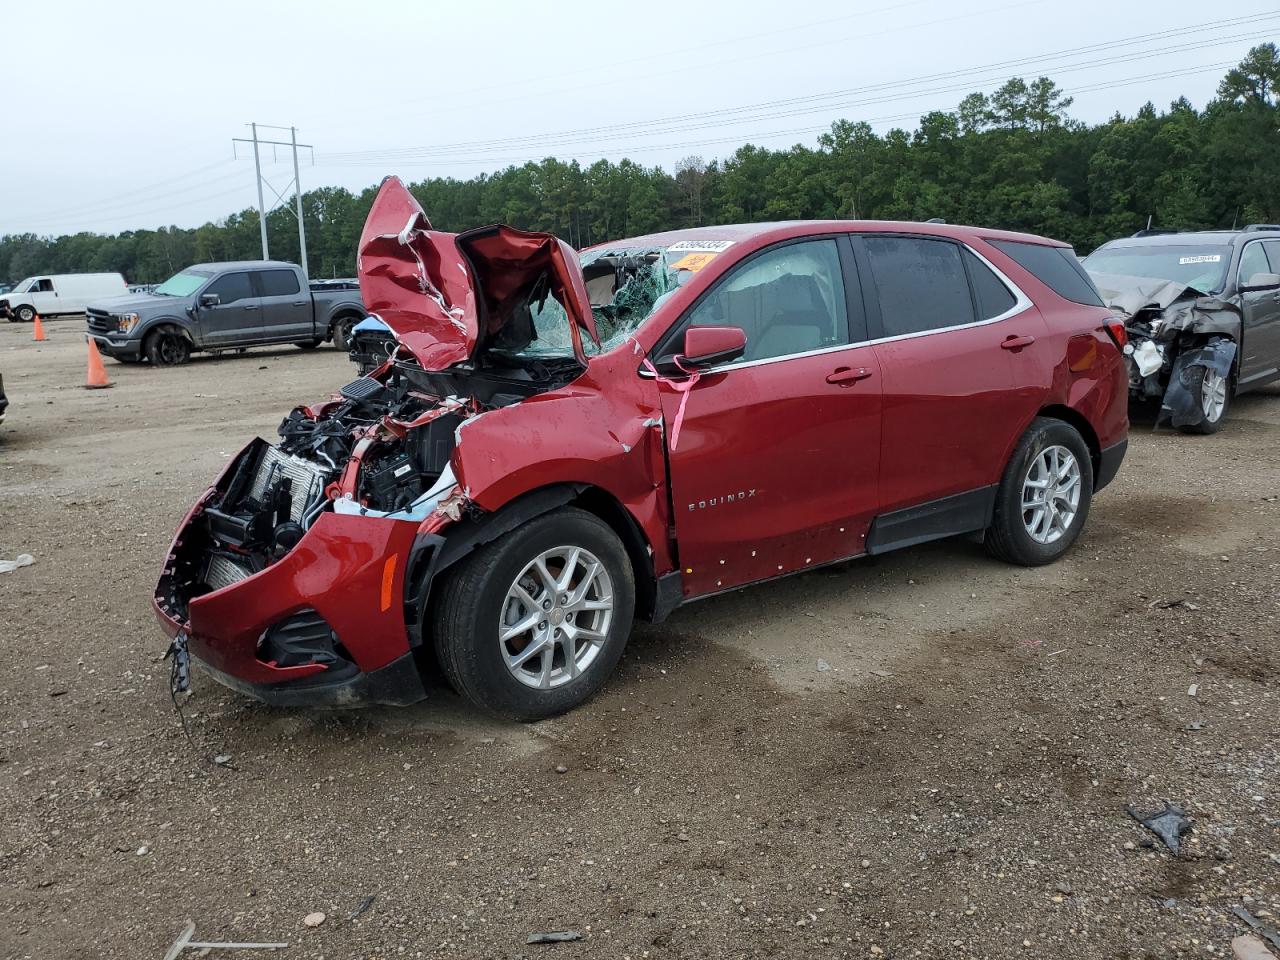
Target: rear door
[
  {"x": 237, "y": 318},
  {"x": 286, "y": 307},
  {"x": 1261, "y": 348},
  {"x": 776, "y": 464},
  {"x": 949, "y": 332}
]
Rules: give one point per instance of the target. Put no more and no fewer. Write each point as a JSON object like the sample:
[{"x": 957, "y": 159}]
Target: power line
[
  {"x": 816, "y": 102},
  {"x": 767, "y": 135}
]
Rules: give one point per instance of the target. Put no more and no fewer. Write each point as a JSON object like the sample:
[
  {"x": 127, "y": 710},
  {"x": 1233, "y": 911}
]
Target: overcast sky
[{"x": 121, "y": 115}]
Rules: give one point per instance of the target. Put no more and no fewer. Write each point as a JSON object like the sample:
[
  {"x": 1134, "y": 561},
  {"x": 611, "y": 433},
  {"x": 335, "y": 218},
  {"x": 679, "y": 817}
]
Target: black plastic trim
[
  {"x": 1109, "y": 461},
  {"x": 397, "y": 684},
  {"x": 946, "y": 517}
]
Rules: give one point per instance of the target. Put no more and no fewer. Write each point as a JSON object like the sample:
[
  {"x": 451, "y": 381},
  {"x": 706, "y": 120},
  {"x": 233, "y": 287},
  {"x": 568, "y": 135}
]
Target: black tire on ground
[
  {"x": 1208, "y": 426},
  {"x": 307, "y": 344},
  {"x": 1008, "y": 537},
  {"x": 342, "y": 333},
  {"x": 24, "y": 313},
  {"x": 473, "y": 596},
  {"x": 167, "y": 348}
]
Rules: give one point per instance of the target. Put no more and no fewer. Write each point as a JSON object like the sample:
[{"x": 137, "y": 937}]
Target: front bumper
[
  {"x": 117, "y": 349},
  {"x": 348, "y": 570}
]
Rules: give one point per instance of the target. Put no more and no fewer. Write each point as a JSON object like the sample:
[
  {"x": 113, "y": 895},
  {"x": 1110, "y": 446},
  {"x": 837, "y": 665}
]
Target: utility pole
[
  {"x": 297, "y": 193},
  {"x": 293, "y": 144},
  {"x": 262, "y": 209}
]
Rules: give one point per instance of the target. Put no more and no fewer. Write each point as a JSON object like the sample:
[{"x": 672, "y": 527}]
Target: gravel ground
[{"x": 925, "y": 755}]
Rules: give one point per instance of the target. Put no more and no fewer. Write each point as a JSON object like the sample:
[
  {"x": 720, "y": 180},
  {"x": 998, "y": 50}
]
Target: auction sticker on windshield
[
  {"x": 700, "y": 246},
  {"x": 693, "y": 262},
  {"x": 1209, "y": 258}
]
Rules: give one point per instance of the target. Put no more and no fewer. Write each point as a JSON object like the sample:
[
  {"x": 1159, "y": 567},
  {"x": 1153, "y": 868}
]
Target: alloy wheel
[
  {"x": 556, "y": 617},
  {"x": 1213, "y": 395},
  {"x": 1051, "y": 494}
]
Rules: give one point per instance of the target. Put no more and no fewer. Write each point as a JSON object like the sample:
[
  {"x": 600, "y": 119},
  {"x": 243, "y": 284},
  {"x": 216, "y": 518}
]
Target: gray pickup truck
[{"x": 225, "y": 306}]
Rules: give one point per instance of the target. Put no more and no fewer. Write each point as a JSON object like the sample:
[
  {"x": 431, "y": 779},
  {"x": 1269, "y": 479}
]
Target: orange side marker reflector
[{"x": 388, "y": 581}]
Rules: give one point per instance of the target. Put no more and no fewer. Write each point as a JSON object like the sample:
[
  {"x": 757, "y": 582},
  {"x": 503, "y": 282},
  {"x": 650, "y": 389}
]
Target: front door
[
  {"x": 286, "y": 307},
  {"x": 237, "y": 317},
  {"x": 1260, "y": 356},
  {"x": 775, "y": 466},
  {"x": 44, "y": 297}
]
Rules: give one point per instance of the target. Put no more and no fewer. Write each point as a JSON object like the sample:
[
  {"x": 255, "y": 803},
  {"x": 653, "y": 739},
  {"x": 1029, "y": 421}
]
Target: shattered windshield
[
  {"x": 182, "y": 284},
  {"x": 1200, "y": 266},
  {"x": 625, "y": 285}
]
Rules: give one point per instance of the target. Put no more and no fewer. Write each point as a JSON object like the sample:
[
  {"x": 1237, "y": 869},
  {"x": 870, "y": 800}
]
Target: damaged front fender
[{"x": 1182, "y": 398}]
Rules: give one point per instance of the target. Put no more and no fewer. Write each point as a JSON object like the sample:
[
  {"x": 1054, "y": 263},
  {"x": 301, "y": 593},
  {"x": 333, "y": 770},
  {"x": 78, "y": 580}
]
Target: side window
[
  {"x": 42, "y": 286},
  {"x": 278, "y": 283},
  {"x": 994, "y": 298},
  {"x": 1253, "y": 260},
  {"x": 1056, "y": 267},
  {"x": 788, "y": 300},
  {"x": 921, "y": 284},
  {"x": 231, "y": 287}
]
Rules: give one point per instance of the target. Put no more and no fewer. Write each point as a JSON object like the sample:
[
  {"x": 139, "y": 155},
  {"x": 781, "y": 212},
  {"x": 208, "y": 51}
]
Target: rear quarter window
[{"x": 1056, "y": 267}]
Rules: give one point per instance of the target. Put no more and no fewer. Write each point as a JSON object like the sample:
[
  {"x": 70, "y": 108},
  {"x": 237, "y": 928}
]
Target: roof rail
[
  {"x": 1255, "y": 227},
  {"x": 1153, "y": 232}
]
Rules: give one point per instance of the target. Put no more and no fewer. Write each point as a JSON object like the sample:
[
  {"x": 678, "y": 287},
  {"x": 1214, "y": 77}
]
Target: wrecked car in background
[
  {"x": 1202, "y": 311},
  {"x": 562, "y": 442}
]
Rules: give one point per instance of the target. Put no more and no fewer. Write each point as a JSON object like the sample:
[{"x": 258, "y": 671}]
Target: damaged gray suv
[{"x": 1202, "y": 311}]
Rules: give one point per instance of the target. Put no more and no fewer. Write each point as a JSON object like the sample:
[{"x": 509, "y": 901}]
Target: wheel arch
[
  {"x": 1082, "y": 426},
  {"x": 167, "y": 323},
  {"x": 345, "y": 311},
  {"x": 433, "y": 554}
]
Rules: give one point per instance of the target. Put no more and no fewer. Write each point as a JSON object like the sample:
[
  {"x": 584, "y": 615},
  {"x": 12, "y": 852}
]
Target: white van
[{"x": 52, "y": 294}]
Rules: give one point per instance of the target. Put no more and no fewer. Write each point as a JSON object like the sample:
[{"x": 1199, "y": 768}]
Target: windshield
[
  {"x": 182, "y": 284},
  {"x": 1201, "y": 266},
  {"x": 625, "y": 286},
  {"x": 22, "y": 285}
]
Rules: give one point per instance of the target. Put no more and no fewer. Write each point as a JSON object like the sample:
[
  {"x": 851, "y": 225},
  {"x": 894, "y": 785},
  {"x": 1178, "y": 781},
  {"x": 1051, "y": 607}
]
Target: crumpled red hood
[{"x": 444, "y": 294}]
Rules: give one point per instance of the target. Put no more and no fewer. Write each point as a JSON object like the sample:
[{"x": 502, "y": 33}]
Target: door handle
[
  {"x": 251, "y": 306},
  {"x": 1016, "y": 343},
  {"x": 847, "y": 376},
  {"x": 299, "y": 303}
]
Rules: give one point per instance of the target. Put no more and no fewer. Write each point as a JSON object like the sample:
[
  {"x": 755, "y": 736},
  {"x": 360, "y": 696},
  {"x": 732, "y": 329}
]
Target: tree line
[{"x": 1014, "y": 159}]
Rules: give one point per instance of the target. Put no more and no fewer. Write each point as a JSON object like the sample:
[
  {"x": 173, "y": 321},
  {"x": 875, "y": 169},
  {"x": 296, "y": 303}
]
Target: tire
[
  {"x": 25, "y": 313},
  {"x": 342, "y": 333},
  {"x": 1033, "y": 537},
  {"x": 1214, "y": 395},
  {"x": 307, "y": 344},
  {"x": 479, "y": 596},
  {"x": 168, "y": 348}
]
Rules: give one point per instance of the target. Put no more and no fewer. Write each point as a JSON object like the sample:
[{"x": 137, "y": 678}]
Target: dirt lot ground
[{"x": 926, "y": 755}]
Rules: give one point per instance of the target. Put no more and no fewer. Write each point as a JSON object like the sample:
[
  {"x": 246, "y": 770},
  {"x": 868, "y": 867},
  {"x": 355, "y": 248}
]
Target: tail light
[{"x": 1118, "y": 332}]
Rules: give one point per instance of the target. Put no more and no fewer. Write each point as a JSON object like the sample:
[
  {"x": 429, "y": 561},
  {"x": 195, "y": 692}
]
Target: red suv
[{"x": 562, "y": 442}]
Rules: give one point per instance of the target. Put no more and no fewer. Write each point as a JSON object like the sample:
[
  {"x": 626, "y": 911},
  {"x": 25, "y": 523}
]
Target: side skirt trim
[{"x": 947, "y": 517}]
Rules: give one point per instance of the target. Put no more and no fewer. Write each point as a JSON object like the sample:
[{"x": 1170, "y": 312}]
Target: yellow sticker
[{"x": 693, "y": 262}]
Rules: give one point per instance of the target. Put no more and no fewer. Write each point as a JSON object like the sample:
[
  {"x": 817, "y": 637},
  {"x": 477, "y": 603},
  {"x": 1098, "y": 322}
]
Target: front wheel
[
  {"x": 25, "y": 313},
  {"x": 1044, "y": 496},
  {"x": 342, "y": 333},
  {"x": 532, "y": 624},
  {"x": 1214, "y": 391},
  {"x": 168, "y": 348}
]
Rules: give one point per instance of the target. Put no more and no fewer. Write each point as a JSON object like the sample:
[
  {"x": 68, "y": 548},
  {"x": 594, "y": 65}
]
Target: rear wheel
[
  {"x": 1044, "y": 495},
  {"x": 25, "y": 313},
  {"x": 308, "y": 344},
  {"x": 168, "y": 348},
  {"x": 1215, "y": 397},
  {"x": 533, "y": 623}
]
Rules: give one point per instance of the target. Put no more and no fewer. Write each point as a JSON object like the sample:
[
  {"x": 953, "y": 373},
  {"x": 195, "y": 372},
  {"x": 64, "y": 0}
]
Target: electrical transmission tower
[{"x": 292, "y": 143}]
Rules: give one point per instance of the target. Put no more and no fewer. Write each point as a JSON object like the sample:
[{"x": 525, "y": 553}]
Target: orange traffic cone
[
  {"x": 97, "y": 376},
  {"x": 38, "y": 333}
]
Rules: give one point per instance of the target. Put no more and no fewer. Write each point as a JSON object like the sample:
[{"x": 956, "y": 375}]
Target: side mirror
[
  {"x": 209, "y": 300},
  {"x": 710, "y": 346},
  {"x": 1261, "y": 281}
]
